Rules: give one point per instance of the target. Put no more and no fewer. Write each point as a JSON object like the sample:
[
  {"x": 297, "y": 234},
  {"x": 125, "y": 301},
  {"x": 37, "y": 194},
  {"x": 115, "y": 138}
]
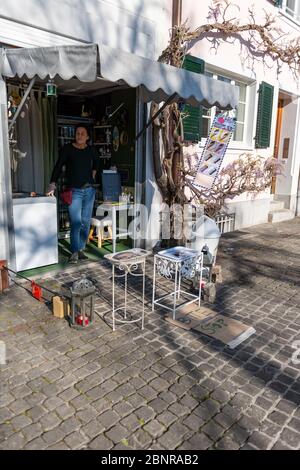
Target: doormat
[{"x": 203, "y": 320}]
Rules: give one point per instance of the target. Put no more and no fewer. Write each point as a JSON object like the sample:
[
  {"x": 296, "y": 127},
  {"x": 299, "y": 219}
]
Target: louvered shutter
[
  {"x": 264, "y": 116},
  {"x": 193, "y": 115}
]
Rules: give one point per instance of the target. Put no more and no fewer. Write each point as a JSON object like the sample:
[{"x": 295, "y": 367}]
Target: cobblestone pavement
[{"x": 161, "y": 388}]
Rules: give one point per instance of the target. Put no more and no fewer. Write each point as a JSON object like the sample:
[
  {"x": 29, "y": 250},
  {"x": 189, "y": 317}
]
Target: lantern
[
  {"x": 51, "y": 88},
  {"x": 82, "y": 303}
]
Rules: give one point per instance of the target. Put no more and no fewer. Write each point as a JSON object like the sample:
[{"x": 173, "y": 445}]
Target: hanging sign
[{"x": 214, "y": 151}]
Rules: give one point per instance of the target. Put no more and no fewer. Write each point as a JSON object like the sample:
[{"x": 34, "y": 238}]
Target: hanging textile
[
  {"x": 24, "y": 173},
  {"x": 35, "y": 119},
  {"x": 49, "y": 125}
]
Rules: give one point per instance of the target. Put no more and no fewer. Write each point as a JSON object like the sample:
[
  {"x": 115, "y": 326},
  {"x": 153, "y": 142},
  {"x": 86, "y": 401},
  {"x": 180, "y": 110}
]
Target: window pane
[
  {"x": 290, "y": 4},
  {"x": 208, "y": 74},
  {"x": 224, "y": 79},
  {"x": 239, "y": 132},
  {"x": 205, "y": 127},
  {"x": 243, "y": 88},
  {"x": 240, "y": 116},
  {"x": 290, "y": 7}
]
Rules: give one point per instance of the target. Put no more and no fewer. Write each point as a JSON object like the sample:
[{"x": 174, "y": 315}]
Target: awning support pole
[
  {"x": 21, "y": 104},
  {"x": 166, "y": 103}
]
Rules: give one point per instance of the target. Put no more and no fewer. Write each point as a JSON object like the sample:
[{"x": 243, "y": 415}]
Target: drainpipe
[
  {"x": 176, "y": 12},
  {"x": 297, "y": 210},
  {"x": 298, "y": 196}
]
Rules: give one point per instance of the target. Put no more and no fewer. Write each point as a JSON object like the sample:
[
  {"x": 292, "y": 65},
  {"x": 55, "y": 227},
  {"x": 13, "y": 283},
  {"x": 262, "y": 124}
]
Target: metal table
[
  {"x": 113, "y": 208},
  {"x": 128, "y": 262},
  {"x": 176, "y": 264}
]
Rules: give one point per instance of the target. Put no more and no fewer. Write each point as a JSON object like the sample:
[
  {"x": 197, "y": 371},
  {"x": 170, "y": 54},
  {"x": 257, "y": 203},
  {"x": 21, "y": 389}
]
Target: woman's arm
[
  {"x": 56, "y": 171},
  {"x": 95, "y": 163}
]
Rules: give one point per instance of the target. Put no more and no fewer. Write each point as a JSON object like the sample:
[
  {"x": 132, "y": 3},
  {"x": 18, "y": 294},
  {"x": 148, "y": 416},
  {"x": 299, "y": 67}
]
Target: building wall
[
  {"x": 137, "y": 26},
  {"x": 242, "y": 68}
]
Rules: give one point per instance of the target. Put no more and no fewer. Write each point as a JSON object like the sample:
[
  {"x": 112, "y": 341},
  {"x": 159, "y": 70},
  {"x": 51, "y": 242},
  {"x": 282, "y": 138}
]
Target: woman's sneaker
[
  {"x": 73, "y": 258},
  {"x": 82, "y": 255}
]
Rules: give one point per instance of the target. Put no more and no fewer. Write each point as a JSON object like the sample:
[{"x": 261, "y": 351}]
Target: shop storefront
[{"x": 106, "y": 90}]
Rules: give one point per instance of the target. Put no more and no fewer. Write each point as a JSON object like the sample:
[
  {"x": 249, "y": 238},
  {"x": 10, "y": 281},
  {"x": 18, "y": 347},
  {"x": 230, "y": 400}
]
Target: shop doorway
[
  {"x": 277, "y": 138},
  {"x": 111, "y": 120}
]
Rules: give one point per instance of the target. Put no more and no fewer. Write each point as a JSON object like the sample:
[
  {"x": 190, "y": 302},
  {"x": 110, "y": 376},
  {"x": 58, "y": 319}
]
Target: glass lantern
[{"x": 82, "y": 303}]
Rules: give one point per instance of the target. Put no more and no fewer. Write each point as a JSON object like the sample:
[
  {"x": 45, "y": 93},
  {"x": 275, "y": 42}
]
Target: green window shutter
[
  {"x": 264, "y": 116},
  {"x": 193, "y": 115}
]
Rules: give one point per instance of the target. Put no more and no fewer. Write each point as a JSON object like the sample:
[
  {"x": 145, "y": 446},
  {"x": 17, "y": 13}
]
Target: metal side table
[
  {"x": 176, "y": 264},
  {"x": 128, "y": 262}
]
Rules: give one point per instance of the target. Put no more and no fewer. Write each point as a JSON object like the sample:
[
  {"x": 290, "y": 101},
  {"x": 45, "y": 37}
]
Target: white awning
[
  {"x": 65, "y": 61},
  {"x": 157, "y": 81}
]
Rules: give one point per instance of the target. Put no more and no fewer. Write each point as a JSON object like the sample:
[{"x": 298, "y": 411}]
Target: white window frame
[
  {"x": 294, "y": 16},
  {"x": 245, "y": 144}
]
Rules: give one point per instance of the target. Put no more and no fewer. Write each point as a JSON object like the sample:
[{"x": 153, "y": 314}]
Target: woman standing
[{"x": 81, "y": 166}]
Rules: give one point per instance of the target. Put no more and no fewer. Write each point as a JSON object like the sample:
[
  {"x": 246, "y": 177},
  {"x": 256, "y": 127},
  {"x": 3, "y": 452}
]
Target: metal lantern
[
  {"x": 51, "y": 88},
  {"x": 82, "y": 303}
]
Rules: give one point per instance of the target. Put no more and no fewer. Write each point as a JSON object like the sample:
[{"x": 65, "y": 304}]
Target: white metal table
[
  {"x": 176, "y": 264},
  {"x": 113, "y": 209},
  {"x": 128, "y": 262}
]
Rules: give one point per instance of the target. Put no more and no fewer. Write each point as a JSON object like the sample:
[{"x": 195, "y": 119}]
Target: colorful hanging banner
[{"x": 213, "y": 153}]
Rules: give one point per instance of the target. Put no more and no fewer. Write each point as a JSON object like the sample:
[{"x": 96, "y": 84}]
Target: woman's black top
[{"x": 79, "y": 166}]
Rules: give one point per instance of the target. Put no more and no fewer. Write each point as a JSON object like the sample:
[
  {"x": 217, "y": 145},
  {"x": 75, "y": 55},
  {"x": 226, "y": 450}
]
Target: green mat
[{"x": 92, "y": 251}]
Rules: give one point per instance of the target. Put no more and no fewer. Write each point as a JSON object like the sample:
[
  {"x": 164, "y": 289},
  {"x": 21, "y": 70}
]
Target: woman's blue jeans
[{"x": 80, "y": 213}]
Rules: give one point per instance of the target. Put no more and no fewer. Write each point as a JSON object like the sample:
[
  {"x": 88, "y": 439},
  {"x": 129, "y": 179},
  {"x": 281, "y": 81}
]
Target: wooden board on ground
[
  {"x": 189, "y": 316},
  {"x": 229, "y": 331}
]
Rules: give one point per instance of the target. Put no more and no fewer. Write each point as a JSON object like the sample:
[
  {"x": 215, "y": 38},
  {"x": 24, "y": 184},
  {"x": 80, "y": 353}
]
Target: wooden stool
[{"x": 101, "y": 225}]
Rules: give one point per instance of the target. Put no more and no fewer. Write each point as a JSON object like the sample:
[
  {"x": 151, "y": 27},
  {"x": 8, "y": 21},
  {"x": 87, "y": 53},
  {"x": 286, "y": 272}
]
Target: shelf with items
[{"x": 102, "y": 140}]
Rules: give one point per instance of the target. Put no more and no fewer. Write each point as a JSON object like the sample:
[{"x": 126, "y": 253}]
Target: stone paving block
[
  {"x": 145, "y": 413},
  {"x": 5, "y": 414},
  {"x": 199, "y": 442},
  {"x": 158, "y": 405},
  {"x": 52, "y": 403},
  {"x": 76, "y": 440},
  {"x": 36, "y": 444},
  {"x": 259, "y": 440},
  {"x": 14, "y": 442},
  {"x": 6, "y": 430},
  {"x": 36, "y": 412},
  {"x": 70, "y": 425},
  {"x": 291, "y": 438},
  {"x": 49, "y": 421},
  {"x": 132, "y": 422},
  {"x": 108, "y": 419},
  {"x": 101, "y": 405},
  {"x": 20, "y": 422},
  {"x": 87, "y": 414},
  {"x": 174, "y": 436},
  {"x": 278, "y": 417},
  {"x": 117, "y": 433},
  {"x": 179, "y": 410},
  {"x": 19, "y": 406},
  {"x": 226, "y": 443},
  {"x": 213, "y": 430},
  {"x": 101, "y": 443},
  {"x": 238, "y": 434}
]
